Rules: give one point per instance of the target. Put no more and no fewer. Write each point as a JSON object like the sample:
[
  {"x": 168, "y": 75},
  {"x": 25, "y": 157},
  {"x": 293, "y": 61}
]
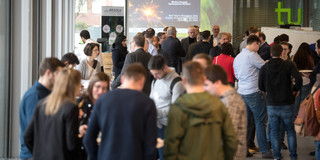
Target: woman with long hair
[
  {"x": 99, "y": 84},
  {"x": 53, "y": 130},
  {"x": 305, "y": 64},
  {"x": 119, "y": 52}
]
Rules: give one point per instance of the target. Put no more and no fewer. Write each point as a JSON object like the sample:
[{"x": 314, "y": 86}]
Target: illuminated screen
[{"x": 142, "y": 14}]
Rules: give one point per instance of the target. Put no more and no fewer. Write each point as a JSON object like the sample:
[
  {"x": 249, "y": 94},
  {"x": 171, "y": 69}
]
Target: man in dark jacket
[
  {"x": 216, "y": 51},
  {"x": 264, "y": 50},
  {"x": 204, "y": 46},
  {"x": 139, "y": 55},
  {"x": 275, "y": 78},
  {"x": 126, "y": 118},
  {"x": 173, "y": 47},
  {"x": 186, "y": 42}
]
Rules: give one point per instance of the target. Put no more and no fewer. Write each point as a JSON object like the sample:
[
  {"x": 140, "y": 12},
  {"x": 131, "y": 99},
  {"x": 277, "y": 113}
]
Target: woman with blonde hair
[{"x": 53, "y": 130}]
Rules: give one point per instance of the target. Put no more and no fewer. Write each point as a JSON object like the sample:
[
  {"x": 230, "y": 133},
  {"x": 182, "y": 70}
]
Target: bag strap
[
  {"x": 315, "y": 90},
  {"x": 216, "y": 60},
  {"x": 174, "y": 81},
  {"x": 95, "y": 62}
]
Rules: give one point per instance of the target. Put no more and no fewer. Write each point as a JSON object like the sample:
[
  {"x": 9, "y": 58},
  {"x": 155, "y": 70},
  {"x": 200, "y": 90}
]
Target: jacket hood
[
  {"x": 275, "y": 65},
  {"x": 198, "y": 104}
]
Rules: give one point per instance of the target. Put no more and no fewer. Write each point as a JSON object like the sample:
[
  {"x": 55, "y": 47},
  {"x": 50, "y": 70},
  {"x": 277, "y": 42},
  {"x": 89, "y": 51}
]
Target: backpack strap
[
  {"x": 315, "y": 90},
  {"x": 174, "y": 81}
]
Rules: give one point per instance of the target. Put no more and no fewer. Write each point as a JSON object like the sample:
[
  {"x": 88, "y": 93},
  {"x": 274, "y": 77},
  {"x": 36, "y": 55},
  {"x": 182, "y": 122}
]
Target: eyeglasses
[{"x": 95, "y": 50}]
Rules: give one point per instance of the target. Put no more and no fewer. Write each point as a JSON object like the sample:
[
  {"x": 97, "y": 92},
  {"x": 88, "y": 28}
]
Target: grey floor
[{"x": 305, "y": 145}]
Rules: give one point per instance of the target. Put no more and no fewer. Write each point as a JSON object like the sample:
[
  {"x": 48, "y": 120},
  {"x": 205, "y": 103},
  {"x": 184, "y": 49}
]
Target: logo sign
[
  {"x": 112, "y": 11},
  {"x": 288, "y": 11}
]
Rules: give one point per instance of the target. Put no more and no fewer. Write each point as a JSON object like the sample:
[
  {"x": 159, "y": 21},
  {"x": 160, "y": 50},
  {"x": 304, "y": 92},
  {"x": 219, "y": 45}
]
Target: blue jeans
[
  {"x": 284, "y": 114},
  {"x": 257, "y": 106},
  {"x": 282, "y": 131},
  {"x": 317, "y": 143},
  {"x": 161, "y": 135}
]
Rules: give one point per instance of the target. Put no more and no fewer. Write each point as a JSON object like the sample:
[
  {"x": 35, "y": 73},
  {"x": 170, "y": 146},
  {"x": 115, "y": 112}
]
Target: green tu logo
[{"x": 288, "y": 10}]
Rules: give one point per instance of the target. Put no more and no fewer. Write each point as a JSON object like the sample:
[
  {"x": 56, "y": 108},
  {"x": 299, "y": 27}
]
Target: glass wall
[
  {"x": 262, "y": 13},
  {"x": 4, "y": 76},
  {"x": 314, "y": 8},
  {"x": 88, "y": 16}
]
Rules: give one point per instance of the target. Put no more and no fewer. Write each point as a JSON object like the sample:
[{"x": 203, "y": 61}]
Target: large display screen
[{"x": 157, "y": 14}]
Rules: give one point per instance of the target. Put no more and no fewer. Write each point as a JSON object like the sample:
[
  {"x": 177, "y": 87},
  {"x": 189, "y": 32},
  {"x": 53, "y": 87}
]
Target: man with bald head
[
  {"x": 186, "y": 42},
  {"x": 214, "y": 36},
  {"x": 173, "y": 47}
]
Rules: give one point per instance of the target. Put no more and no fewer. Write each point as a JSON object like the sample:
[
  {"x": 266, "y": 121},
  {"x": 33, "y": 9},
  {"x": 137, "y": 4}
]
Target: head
[
  {"x": 134, "y": 76},
  {"x": 192, "y": 32},
  {"x": 92, "y": 50},
  {"x": 203, "y": 59},
  {"x": 121, "y": 41},
  {"x": 66, "y": 88},
  {"x": 253, "y": 43},
  {"x": 138, "y": 42},
  {"x": 197, "y": 29},
  {"x": 215, "y": 30},
  {"x": 84, "y": 35},
  {"x": 226, "y": 48},
  {"x": 276, "y": 50},
  {"x": 157, "y": 66},
  {"x": 222, "y": 38},
  {"x": 155, "y": 41},
  {"x": 303, "y": 58},
  {"x": 262, "y": 37},
  {"x": 206, "y": 35},
  {"x": 199, "y": 37},
  {"x": 99, "y": 84},
  {"x": 49, "y": 69},
  {"x": 285, "y": 50},
  {"x": 253, "y": 30},
  {"x": 284, "y": 37},
  {"x": 216, "y": 78},
  {"x": 192, "y": 74},
  {"x": 161, "y": 36},
  {"x": 229, "y": 36},
  {"x": 172, "y": 31},
  {"x": 70, "y": 60},
  {"x": 318, "y": 47},
  {"x": 150, "y": 33},
  {"x": 165, "y": 30}
]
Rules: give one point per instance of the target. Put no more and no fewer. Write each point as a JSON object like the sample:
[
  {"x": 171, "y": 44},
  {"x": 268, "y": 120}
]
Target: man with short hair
[
  {"x": 285, "y": 51},
  {"x": 186, "y": 42},
  {"x": 161, "y": 52},
  {"x": 192, "y": 46},
  {"x": 48, "y": 70},
  {"x": 275, "y": 78},
  {"x": 139, "y": 55},
  {"x": 214, "y": 36},
  {"x": 203, "y": 59},
  {"x": 173, "y": 47},
  {"x": 161, "y": 36},
  {"x": 216, "y": 51},
  {"x": 126, "y": 118},
  {"x": 264, "y": 50},
  {"x": 150, "y": 34},
  {"x": 199, "y": 125},
  {"x": 85, "y": 37},
  {"x": 252, "y": 30},
  {"x": 217, "y": 84},
  {"x": 165, "y": 89},
  {"x": 246, "y": 68},
  {"x": 197, "y": 29},
  {"x": 204, "y": 46},
  {"x": 70, "y": 60}
]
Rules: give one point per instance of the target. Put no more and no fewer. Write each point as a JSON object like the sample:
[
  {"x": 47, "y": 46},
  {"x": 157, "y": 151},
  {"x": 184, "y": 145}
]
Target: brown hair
[
  {"x": 89, "y": 47},
  {"x": 205, "y": 57},
  {"x": 193, "y": 73},
  {"x": 276, "y": 50},
  {"x": 139, "y": 40},
  {"x": 50, "y": 63},
  {"x": 135, "y": 71},
  {"x": 303, "y": 58},
  {"x": 63, "y": 90},
  {"x": 215, "y": 73},
  {"x": 101, "y": 76}
]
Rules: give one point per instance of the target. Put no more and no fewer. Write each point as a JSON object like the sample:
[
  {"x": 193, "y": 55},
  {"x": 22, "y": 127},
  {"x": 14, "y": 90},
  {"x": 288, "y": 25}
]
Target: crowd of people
[{"x": 197, "y": 98}]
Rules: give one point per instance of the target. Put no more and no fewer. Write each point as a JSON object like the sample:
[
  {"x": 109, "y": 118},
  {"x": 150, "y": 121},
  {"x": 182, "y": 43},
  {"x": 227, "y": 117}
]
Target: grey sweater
[{"x": 160, "y": 93}]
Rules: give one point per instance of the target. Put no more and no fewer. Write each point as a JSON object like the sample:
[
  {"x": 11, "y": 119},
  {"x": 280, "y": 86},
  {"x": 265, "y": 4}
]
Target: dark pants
[{"x": 161, "y": 135}]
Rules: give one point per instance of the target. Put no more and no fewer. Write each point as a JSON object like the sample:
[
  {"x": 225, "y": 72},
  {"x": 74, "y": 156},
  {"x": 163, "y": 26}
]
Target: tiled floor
[{"x": 305, "y": 146}]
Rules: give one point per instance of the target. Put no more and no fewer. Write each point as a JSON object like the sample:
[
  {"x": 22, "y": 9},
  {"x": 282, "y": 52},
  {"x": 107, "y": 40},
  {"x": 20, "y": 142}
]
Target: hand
[{"x": 83, "y": 129}]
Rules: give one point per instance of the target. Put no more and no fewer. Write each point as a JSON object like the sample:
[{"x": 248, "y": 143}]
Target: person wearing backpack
[
  {"x": 165, "y": 89},
  {"x": 275, "y": 78},
  {"x": 316, "y": 97}
]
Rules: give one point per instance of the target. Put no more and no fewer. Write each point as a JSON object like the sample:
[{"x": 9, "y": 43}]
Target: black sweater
[{"x": 275, "y": 78}]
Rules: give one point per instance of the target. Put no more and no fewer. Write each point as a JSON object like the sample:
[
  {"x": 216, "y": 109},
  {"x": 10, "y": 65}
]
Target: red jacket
[{"x": 226, "y": 62}]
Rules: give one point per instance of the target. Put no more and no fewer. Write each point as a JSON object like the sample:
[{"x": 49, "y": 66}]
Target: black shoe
[
  {"x": 269, "y": 143},
  {"x": 312, "y": 153},
  {"x": 283, "y": 146},
  {"x": 249, "y": 154},
  {"x": 267, "y": 155}
]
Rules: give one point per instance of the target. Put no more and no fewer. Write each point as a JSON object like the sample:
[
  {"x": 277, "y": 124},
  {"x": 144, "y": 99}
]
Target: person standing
[
  {"x": 198, "y": 123},
  {"x": 126, "y": 118},
  {"x": 246, "y": 68},
  {"x": 214, "y": 36},
  {"x": 165, "y": 89},
  {"x": 53, "y": 130},
  {"x": 275, "y": 78},
  {"x": 48, "y": 70},
  {"x": 119, "y": 52},
  {"x": 186, "y": 42}
]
